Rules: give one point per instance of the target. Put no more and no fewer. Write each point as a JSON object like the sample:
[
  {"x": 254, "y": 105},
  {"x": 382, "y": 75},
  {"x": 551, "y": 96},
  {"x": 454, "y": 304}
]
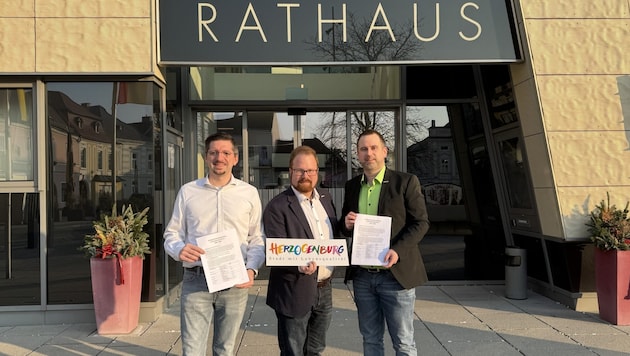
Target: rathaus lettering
[{"x": 207, "y": 14}]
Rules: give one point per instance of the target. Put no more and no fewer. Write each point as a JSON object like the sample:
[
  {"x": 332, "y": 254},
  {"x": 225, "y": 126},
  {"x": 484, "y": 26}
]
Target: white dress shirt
[
  {"x": 201, "y": 209},
  {"x": 320, "y": 225}
]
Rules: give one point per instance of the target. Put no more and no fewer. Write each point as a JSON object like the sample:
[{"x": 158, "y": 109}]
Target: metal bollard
[{"x": 515, "y": 273}]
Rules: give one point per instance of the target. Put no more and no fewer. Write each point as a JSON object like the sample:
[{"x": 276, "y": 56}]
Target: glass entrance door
[
  {"x": 266, "y": 139},
  {"x": 436, "y": 143}
]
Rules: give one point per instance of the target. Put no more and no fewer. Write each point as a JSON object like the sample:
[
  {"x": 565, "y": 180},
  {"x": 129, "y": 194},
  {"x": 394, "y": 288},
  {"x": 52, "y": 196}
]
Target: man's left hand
[{"x": 391, "y": 258}]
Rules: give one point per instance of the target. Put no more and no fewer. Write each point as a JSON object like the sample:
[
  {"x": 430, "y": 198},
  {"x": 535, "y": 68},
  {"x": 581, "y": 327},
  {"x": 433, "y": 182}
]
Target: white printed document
[
  {"x": 370, "y": 241},
  {"x": 223, "y": 262}
]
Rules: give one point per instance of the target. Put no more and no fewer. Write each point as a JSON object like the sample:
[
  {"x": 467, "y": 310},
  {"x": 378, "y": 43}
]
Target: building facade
[{"x": 516, "y": 128}]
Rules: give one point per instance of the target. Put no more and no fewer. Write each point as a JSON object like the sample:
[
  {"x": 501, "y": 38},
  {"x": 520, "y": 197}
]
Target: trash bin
[{"x": 515, "y": 272}]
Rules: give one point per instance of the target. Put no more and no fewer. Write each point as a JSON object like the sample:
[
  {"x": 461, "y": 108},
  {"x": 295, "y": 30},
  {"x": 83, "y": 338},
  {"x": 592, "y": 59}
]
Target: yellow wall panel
[
  {"x": 584, "y": 102},
  {"x": 94, "y": 45},
  {"x": 575, "y": 9},
  {"x": 590, "y": 158},
  {"x": 17, "y": 8},
  {"x": 579, "y": 46},
  {"x": 577, "y": 202},
  {"x": 581, "y": 74},
  {"x": 17, "y": 45},
  {"x": 93, "y": 8}
]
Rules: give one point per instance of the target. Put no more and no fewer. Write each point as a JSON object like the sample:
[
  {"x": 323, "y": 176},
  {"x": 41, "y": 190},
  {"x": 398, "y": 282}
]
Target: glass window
[
  {"x": 173, "y": 98},
  {"x": 209, "y": 123},
  {"x": 382, "y": 121},
  {"x": 440, "y": 82},
  {"x": 81, "y": 129},
  {"x": 430, "y": 153},
  {"x": 326, "y": 133},
  {"x": 295, "y": 83},
  {"x": 137, "y": 113},
  {"x": 83, "y": 158},
  {"x": 19, "y": 241},
  {"x": 518, "y": 187},
  {"x": 16, "y": 135},
  {"x": 270, "y": 137},
  {"x": 100, "y": 160},
  {"x": 499, "y": 93}
]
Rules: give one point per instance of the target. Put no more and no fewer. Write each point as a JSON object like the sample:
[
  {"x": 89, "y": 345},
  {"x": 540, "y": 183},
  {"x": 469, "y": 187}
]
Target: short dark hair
[
  {"x": 221, "y": 136},
  {"x": 371, "y": 132},
  {"x": 302, "y": 150}
]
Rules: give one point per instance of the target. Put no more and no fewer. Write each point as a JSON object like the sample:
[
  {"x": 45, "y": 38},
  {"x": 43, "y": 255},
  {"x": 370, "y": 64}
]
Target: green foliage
[
  {"x": 609, "y": 227},
  {"x": 120, "y": 236}
]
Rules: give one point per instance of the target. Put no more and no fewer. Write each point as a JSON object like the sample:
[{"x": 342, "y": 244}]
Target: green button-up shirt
[{"x": 369, "y": 194}]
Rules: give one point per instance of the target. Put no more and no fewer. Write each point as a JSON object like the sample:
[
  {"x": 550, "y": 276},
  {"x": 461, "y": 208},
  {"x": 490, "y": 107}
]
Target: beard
[{"x": 304, "y": 186}]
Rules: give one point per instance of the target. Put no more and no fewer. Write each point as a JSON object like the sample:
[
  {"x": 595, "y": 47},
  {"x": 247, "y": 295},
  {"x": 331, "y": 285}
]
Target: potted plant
[
  {"x": 116, "y": 250},
  {"x": 609, "y": 230}
]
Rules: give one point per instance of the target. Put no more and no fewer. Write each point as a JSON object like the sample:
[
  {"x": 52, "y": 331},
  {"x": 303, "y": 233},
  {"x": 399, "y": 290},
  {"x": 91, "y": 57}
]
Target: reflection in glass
[
  {"x": 515, "y": 173},
  {"x": 172, "y": 184},
  {"x": 326, "y": 133},
  {"x": 382, "y": 121},
  {"x": 137, "y": 114},
  {"x": 173, "y": 98},
  {"x": 19, "y": 249},
  {"x": 499, "y": 91},
  {"x": 483, "y": 183},
  {"x": 431, "y": 154},
  {"x": 81, "y": 122},
  {"x": 16, "y": 134},
  {"x": 270, "y": 137},
  {"x": 286, "y": 83},
  {"x": 209, "y": 123}
]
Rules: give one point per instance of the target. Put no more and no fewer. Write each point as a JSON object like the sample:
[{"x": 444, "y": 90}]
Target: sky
[
  {"x": 101, "y": 94},
  {"x": 437, "y": 113}
]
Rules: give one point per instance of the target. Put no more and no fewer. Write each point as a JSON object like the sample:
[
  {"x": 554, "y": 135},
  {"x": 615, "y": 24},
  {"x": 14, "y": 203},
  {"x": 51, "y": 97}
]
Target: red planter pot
[
  {"x": 612, "y": 278},
  {"x": 116, "y": 304}
]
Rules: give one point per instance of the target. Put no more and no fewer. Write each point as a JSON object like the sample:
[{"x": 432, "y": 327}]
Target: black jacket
[
  {"x": 401, "y": 198},
  {"x": 290, "y": 292}
]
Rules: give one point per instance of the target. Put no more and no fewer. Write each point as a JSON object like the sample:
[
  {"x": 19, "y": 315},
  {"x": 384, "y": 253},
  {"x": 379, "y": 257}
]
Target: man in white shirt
[
  {"x": 301, "y": 295},
  {"x": 215, "y": 203}
]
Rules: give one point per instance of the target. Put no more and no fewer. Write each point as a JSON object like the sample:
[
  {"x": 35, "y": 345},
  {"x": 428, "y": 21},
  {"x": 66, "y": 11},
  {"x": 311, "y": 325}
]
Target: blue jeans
[
  {"x": 306, "y": 335},
  {"x": 200, "y": 309},
  {"x": 381, "y": 299}
]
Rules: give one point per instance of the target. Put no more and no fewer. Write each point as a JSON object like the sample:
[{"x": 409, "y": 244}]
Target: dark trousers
[{"x": 306, "y": 335}]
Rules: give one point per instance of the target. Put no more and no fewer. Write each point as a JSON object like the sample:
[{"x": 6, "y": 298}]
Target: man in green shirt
[{"x": 386, "y": 293}]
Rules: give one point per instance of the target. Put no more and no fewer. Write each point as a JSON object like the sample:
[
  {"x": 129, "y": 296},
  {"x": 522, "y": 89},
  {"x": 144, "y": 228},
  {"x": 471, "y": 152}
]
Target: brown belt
[{"x": 324, "y": 282}]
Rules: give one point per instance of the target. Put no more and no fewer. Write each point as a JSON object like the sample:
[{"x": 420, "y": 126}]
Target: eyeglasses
[
  {"x": 310, "y": 172},
  {"x": 223, "y": 153}
]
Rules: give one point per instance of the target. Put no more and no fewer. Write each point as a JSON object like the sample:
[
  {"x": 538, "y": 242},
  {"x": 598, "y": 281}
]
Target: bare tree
[{"x": 380, "y": 47}]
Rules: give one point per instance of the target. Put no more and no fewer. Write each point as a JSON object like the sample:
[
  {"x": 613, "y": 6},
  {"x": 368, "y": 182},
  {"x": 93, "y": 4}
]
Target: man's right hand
[
  {"x": 350, "y": 219},
  {"x": 310, "y": 268},
  {"x": 190, "y": 253}
]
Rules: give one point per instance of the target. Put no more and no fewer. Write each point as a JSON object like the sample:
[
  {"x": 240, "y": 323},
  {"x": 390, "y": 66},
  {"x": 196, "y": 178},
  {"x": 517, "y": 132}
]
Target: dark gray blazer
[
  {"x": 401, "y": 198},
  {"x": 290, "y": 292}
]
